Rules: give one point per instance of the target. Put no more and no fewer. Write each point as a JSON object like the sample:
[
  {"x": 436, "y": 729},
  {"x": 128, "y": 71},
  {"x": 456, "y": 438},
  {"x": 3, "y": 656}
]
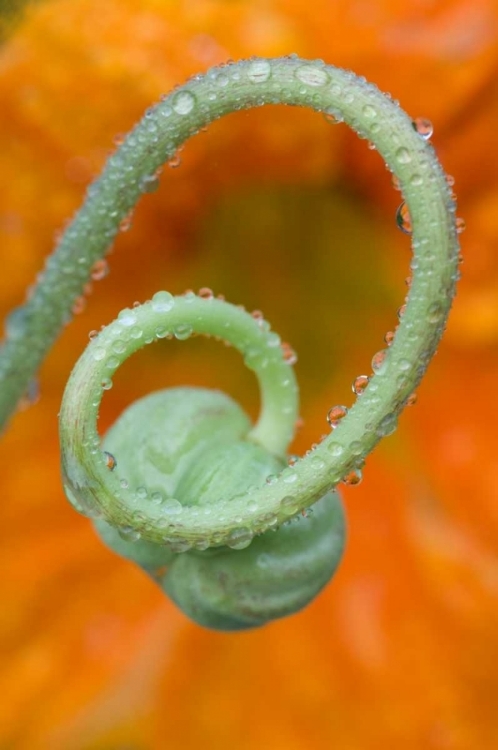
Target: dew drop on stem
[
  {"x": 110, "y": 461},
  {"x": 423, "y": 127},
  {"x": 335, "y": 414}
]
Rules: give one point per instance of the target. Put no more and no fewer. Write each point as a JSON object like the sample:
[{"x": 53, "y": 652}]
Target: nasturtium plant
[{"x": 183, "y": 484}]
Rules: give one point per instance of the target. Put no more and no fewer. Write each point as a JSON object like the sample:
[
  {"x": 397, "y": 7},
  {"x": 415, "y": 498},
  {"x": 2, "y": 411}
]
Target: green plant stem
[{"x": 130, "y": 172}]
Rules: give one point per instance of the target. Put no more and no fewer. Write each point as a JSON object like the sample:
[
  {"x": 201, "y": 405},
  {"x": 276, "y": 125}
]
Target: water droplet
[
  {"x": 112, "y": 363},
  {"x": 127, "y": 317},
  {"x": 79, "y": 305},
  {"x": 252, "y": 506},
  {"x": 141, "y": 493},
  {"x": 118, "y": 346},
  {"x": 125, "y": 223},
  {"x": 222, "y": 80},
  {"x": 335, "y": 414},
  {"x": 403, "y": 156},
  {"x": 175, "y": 161},
  {"x": 156, "y": 498},
  {"x": 136, "y": 333},
  {"x": 98, "y": 353},
  {"x": 100, "y": 270},
  {"x": 360, "y": 383},
  {"x": 411, "y": 400},
  {"x": 183, "y": 102},
  {"x": 317, "y": 462},
  {"x": 404, "y": 365},
  {"x": 239, "y": 538},
  {"x": 312, "y": 76},
  {"x": 356, "y": 448},
  {"x": 387, "y": 425},
  {"x": 124, "y": 483},
  {"x": 289, "y": 478},
  {"x": 119, "y": 139},
  {"x": 460, "y": 225},
  {"x": 289, "y": 355},
  {"x": 353, "y": 478},
  {"x": 401, "y": 311},
  {"x": 162, "y": 302},
  {"x": 110, "y": 461},
  {"x": 273, "y": 340},
  {"x": 369, "y": 111},
  {"x": 172, "y": 507},
  {"x": 332, "y": 117},
  {"x": 403, "y": 219},
  {"x": 178, "y": 545},
  {"x": 416, "y": 180},
  {"x": 149, "y": 183},
  {"x": 378, "y": 360},
  {"x": 161, "y": 332},
  {"x": 259, "y": 71},
  {"x": 450, "y": 180},
  {"x": 182, "y": 331},
  {"x": 128, "y": 533},
  {"x": 106, "y": 384},
  {"x": 289, "y": 505},
  {"x": 269, "y": 520},
  {"x": 335, "y": 449},
  {"x": 424, "y": 127},
  {"x": 389, "y": 338},
  {"x": 92, "y": 335},
  {"x": 435, "y": 312},
  {"x": 206, "y": 293}
]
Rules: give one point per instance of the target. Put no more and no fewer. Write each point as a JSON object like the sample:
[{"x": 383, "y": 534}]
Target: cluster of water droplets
[
  {"x": 435, "y": 315},
  {"x": 424, "y": 128}
]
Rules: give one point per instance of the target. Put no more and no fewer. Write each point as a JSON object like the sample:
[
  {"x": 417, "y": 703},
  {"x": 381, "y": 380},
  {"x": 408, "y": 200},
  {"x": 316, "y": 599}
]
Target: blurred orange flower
[{"x": 280, "y": 211}]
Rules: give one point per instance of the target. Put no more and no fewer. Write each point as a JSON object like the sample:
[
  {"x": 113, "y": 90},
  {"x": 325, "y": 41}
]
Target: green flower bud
[
  {"x": 191, "y": 444},
  {"x": 278, "y": 574}
]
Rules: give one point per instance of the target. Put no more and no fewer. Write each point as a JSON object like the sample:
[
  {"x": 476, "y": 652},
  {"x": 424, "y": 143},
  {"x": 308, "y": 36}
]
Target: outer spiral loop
[
  {"x": 434, "y": 241},
  {"x": 242, "y": 85}
]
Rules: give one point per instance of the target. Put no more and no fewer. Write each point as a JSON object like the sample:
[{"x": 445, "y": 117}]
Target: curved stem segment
[{"x": 128, "y": 174}]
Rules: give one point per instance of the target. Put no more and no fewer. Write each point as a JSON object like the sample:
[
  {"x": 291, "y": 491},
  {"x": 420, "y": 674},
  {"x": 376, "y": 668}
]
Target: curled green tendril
[
  {"x": 86, "y": 475},
  {"x": 247, "y": 509}
]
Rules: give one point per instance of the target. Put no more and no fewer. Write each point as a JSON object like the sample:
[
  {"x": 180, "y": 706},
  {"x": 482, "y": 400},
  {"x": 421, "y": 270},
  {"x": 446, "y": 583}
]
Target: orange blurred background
[{"x": 281, "y": 211}]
